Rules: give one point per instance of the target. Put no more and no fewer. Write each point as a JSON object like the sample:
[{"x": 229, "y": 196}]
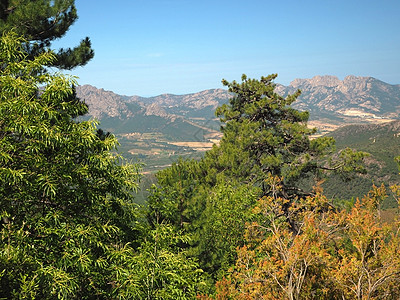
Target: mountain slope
[
  {"x": 108, "y": 104},
  {"x": 382, "y": 142},
  {"x": 362, "y": 96},
  {"x": 104, "y": 104},
  {"x": 170, "y": 115}
]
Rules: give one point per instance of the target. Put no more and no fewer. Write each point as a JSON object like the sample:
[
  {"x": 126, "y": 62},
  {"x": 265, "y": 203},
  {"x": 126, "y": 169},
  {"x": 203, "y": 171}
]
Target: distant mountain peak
[
  {"x": 326, "y": 80},
  {"x": 328, "y": 95}
]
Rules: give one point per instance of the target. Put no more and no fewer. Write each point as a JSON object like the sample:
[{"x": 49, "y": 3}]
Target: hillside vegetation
[
  {"x": 382, "y": 142},
  {"x": 260, "y": 232},
  {"x": 237, "y": 223}
]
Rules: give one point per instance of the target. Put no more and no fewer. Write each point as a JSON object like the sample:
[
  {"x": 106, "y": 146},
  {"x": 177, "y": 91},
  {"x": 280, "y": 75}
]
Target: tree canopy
[
  {"x": 337, "y": 254},
  {"x": 66, "y": 202},
  {"x": 263, "y": 137},
  {"x": 42, "y": 22},
  {"x": 248, "y": 221},
  {"x": 69, "y": 227}
]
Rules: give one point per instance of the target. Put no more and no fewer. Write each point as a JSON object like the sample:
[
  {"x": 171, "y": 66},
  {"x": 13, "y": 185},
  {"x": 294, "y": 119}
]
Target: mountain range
[
  {"x": 366, "y": 95},
  {"x": 157, "y": 130},
  {"x": 327, "y": 98}
]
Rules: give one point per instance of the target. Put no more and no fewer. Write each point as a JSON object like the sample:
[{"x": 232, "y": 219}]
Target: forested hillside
[
  {"x": 239, "y": 223},
  {"x": 382, "y": 143},
  {"x": 257, "y": 230}
]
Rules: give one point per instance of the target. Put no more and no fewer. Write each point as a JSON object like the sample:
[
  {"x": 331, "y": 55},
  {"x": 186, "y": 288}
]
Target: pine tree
[
  {"x": 265, "y": 136},
  {"x": 40, "y": 23}
]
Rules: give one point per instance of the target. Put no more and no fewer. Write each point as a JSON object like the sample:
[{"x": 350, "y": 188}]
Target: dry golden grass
[{"x": 198, "y": 146}]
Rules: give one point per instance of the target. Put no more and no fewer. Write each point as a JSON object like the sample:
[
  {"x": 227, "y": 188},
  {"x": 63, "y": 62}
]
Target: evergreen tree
[
  {"x": 40, "y": 23},
  {"x": 265, "y": 136}
]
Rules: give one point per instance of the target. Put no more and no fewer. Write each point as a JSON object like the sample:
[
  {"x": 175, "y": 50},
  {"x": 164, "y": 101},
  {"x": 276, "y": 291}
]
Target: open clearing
[{"x": 198, "y": 146}]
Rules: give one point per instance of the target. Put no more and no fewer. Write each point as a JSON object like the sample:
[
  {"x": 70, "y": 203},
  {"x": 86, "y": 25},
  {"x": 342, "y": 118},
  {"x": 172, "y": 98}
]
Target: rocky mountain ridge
[
  {"x": 212, "y": 98},
  {"x": 327, "y": 97},
  {"x": 104, "y": 103},
  {"x": 351, "y": 95}
]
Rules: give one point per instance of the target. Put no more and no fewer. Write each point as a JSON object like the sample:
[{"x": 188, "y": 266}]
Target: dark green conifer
[
  {"x": 41, "y": 22},
  {"x": 265, "y": 136}
]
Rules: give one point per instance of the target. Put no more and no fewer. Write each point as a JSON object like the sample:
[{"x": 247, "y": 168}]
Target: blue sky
[{"x": 151, "y": 47}]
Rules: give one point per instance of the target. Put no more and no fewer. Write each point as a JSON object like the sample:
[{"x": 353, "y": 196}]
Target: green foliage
[
  {"x": 174, "y": 199},
  {"x": 161, "y": 269},
  {"x": 213, "y": 217},
  {"x": 264, "y": 135},
  {"x": 219, "y": 230},
  {"x": 40, "y": 23},
  {"x": 69, "y": 228},
  {"x": 66, "y": 199},
  {"x": 212, "y": 200}
]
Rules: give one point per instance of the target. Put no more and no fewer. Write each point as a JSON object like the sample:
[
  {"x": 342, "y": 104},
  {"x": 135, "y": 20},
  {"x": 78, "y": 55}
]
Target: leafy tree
[
  {"x": 335, "y": 254},
  {"x": 219, "y": 229},
  {"x": 275, "y": 263},
  {"x": 161, "y": 269},
  {"x": 370, "y": 267},
  {"x": 174, "y": 200},
  {"x": 69, "y": 228},
  {"x": 40, "y": 23},
  {"x": 214, "y": 217},
  {"x": 65, "y": 197}
]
